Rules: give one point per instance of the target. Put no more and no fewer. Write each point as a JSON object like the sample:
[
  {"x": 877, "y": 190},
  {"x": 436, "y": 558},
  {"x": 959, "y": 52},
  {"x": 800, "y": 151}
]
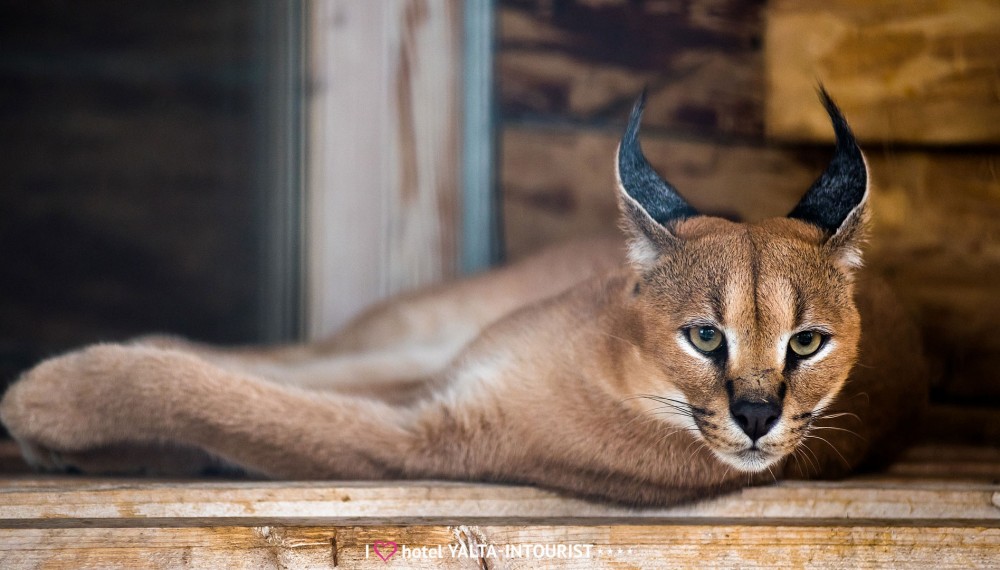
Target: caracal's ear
[
  {"x": 650, "y": 205},
  {"x": 838, "y": 201}
]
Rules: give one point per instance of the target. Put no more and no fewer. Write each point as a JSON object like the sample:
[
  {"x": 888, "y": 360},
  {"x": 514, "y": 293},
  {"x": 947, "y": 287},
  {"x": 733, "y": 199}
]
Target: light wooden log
[
  {"x": 128, "y": 502},
  {"x": 828, "y": 545},
  {"x": 952, "y": 482},
  {"x": 915, "y": 71},
  {"x": 383, "y": 144}
]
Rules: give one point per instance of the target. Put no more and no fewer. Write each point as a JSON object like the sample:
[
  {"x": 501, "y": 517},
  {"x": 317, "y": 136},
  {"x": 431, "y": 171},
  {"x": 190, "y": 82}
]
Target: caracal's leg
[
  {"x": 414, "y": 336},
  {"x": 80, "y": 411}
]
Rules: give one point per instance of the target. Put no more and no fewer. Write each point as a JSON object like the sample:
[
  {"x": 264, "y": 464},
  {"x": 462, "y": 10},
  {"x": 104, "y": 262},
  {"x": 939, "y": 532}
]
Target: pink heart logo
[{"x": 388, "y": 546}]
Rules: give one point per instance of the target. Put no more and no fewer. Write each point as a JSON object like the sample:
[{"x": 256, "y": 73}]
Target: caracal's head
[{"x": 752, "y": 327}]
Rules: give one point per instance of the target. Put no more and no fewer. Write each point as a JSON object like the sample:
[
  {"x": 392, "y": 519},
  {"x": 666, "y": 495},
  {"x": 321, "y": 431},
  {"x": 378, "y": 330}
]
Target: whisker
[
  {"x": 814, "y": 460},
  {"x": 686, "y": 449},
  {"x": 680, "y": 410},
  {"x": 666, "y": 412},
  {"x": 655, "y": 398},
  {"x": 835, "y": 450},
  {"x": 609, "y": 335},
  {"x": 702, "y": 445},
  {"x": 799, "y": 455},
  {"x": 855, "y": 434},
  {"x": 674, "y": 432},
  {"x": 673, "y": 401},
  {"x": 840, "y": 415},
  {"x": 868, "y": 399},
  {"x": 673, "y": 405}
]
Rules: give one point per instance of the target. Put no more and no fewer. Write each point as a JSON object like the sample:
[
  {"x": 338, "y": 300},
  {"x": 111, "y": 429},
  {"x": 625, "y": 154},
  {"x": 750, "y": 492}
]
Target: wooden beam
[
  {"x": 125, "y": 502},
  {"x": 382, "y": 152},
  {"x": 914, "y": 71},
  {"x": 951, "y": 482},
  {"x": 705, "y": 545},
  {"x": 586, "y": 61}
]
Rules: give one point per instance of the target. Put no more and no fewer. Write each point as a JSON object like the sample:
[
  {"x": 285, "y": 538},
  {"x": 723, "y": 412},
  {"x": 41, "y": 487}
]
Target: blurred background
[
  {"x": 256, "y": 171},
  {"x": 138, "y": 164}
]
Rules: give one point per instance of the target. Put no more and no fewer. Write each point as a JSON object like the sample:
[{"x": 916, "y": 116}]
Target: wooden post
[{"x": 382, "y": 171}]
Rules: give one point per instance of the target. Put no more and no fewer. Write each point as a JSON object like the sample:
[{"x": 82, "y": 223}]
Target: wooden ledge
[
  {"x": 937, "y": 507},
  {"x": 57, "y": 502}
]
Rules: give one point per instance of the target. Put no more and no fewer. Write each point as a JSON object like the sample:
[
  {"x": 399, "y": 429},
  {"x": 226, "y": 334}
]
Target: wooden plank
[
  {"x": 382, "y": 152},
  {"x": 955, "y": 461},
  {"x": 896, "y": 495},
  {"x": 491, "y": 546},
  {"x": 579, "y": 60},
  {"x": 962, "y": 448},
  {"x": 915, "y": 71}
]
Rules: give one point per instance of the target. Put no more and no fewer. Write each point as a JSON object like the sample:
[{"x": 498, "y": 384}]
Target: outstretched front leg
[{"x": 111, "y": 397}]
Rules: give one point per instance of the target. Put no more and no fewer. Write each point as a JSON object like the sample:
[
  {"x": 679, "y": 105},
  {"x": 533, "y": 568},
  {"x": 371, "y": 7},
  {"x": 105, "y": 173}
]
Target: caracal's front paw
[{"x": 66, "y": 404}]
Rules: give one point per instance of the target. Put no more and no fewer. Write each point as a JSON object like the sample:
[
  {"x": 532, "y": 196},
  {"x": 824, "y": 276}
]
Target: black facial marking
[
  {"x": 715, "y": 300},
  {"x": 656, "y": 196},
  {"x": 800, "y": 304},
  {"x": 842, "y": 185},
  {"x": 702, "y": 411},
  {"x": 754, "y": 276}
]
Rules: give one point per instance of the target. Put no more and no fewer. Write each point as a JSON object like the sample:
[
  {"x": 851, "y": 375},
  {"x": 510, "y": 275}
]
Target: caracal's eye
[
  {"x": 805, "y": 343},
  {"x": 705, "y": 339}
]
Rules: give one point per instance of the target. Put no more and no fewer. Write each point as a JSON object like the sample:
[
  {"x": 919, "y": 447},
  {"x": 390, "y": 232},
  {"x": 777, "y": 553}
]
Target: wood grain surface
[
  {"x": 383, "y": 143},
  {"x": 913, "y": 71}
]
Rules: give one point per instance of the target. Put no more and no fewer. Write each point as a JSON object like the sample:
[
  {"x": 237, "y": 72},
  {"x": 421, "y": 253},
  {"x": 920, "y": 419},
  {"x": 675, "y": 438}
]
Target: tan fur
[{"x": 537, "y": 373}]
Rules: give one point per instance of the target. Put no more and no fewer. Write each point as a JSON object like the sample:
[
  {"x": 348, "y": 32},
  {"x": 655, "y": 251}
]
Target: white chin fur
[{"x": 748, "y": 461}]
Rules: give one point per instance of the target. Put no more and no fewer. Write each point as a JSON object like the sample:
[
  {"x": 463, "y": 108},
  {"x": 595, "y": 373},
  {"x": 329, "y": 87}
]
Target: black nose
[{"x": 755, "y": 418}]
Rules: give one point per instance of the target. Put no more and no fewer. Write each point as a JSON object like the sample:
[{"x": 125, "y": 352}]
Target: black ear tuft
[
  {"x": 655, "y": 195},
  {"x": 844, "y": 184}
]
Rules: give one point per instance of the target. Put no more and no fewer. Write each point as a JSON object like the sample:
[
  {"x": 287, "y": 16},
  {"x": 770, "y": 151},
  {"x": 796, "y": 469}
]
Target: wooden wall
[
  {"x": 569, "y": 71},
  {"x": 922, "y": 72}
]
